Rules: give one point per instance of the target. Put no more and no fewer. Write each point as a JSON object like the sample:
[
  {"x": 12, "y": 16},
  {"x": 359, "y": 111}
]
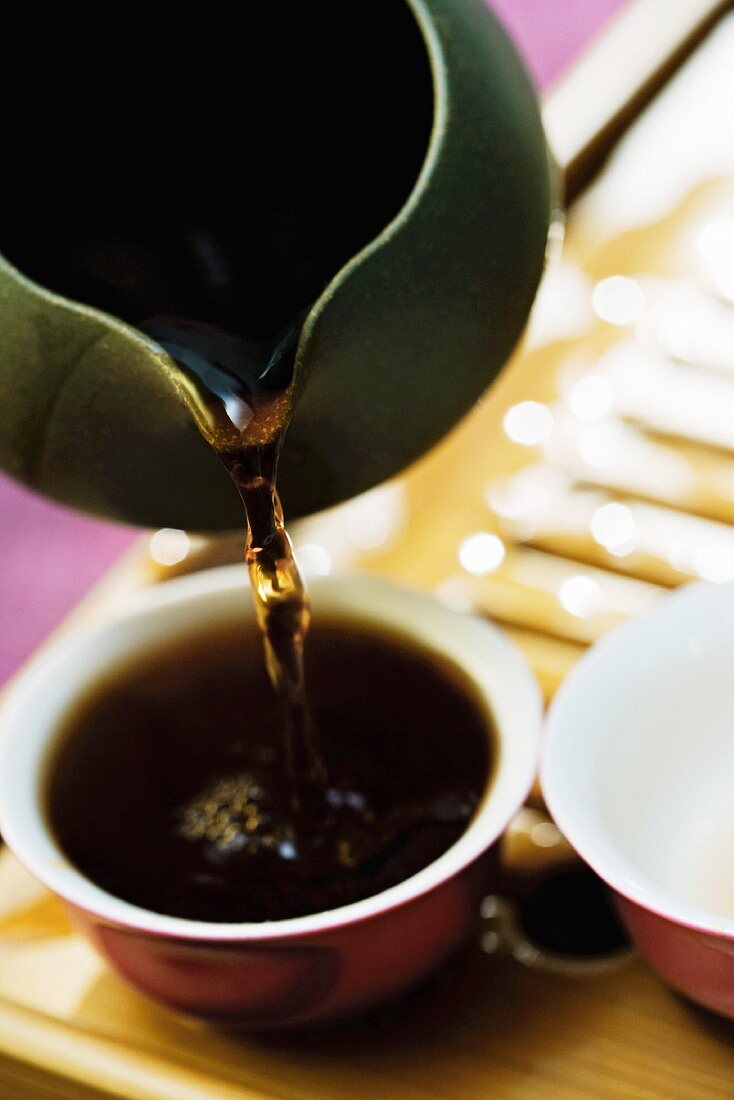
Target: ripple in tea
[{"x": 168, "y": 790}]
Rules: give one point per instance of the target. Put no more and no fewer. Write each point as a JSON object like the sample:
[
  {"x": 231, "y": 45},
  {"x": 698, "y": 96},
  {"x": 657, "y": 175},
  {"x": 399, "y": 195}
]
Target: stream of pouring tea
[
  {"x": 281, "y": 607},
  {"x": 245, "y": 420}
]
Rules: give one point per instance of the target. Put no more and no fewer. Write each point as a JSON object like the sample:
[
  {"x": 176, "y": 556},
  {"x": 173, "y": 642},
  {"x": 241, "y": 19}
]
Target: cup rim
[
  {"x": 621, "y": 647},
  {"x": 499, "y": 674}
]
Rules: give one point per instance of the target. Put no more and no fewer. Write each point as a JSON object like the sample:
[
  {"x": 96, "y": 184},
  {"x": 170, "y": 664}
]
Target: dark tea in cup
[{"x": 166, "y": 787}]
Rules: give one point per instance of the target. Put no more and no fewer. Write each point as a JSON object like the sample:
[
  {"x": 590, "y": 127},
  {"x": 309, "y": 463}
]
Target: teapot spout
[{"x": 92, "y": 410}]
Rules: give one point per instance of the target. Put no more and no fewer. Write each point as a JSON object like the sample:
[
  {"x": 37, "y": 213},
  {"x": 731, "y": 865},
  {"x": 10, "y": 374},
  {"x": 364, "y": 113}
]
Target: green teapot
[{"x": 377, "y": 171}]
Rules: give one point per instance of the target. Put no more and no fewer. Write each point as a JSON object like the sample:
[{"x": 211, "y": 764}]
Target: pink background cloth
[{"x": 49, "y": 556}]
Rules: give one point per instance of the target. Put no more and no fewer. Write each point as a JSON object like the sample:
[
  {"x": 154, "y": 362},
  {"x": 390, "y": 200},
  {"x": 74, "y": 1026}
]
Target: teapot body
[{"x": 390, "y": 183}]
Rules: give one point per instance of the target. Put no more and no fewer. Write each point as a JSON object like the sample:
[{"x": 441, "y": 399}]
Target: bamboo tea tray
[{"x": 598, "y": 474}]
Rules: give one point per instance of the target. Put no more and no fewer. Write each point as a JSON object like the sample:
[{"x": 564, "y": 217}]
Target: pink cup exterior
[
  {"x": 304, "y": 979},
  {"x": 700, "y": 965}
]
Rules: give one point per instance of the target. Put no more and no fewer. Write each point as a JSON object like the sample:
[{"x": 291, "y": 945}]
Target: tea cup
[
  {"x": 636, "y": 770},
  {"x": 306, "y": 969}
]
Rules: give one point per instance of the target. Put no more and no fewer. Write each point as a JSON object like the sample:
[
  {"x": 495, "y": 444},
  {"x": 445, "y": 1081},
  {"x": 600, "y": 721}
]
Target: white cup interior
[
  {"x": 34, "y": 711},
  {"x": 639, "y": 758}
]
